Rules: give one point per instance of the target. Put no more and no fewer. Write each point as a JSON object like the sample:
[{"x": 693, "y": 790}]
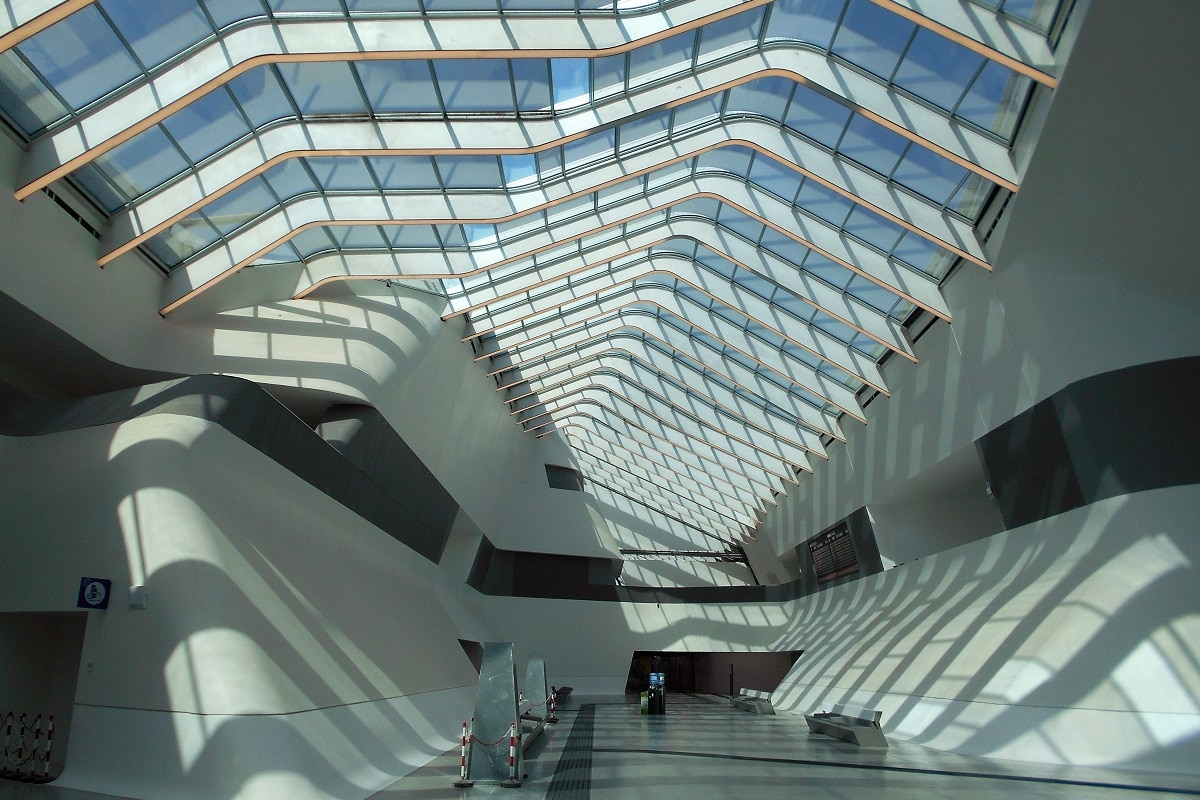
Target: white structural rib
[
  {"x": 721, "y": 433},
  {"x": 705, "y": 506},
  {"x": 633, "y": 370},
  {"x": 634, "y": 319},
  {"x": 982, "y": 30},
  {"x": 632, "y": 454},
  {"x": 640, "y": 213},
  {"x": 508, "y": 284},
  {"x": 702, "y": 499},
  {"x": 593, "y": 422},
  {"x": 612, "y": 371},
  {"x": 166, "y": 90},
  {"x": 791, "y": 287},
  {"x": 625, "y": 362},
  {"x": 22, "y": 19},
  {"x": 550, "y": 220},
  {"x": 563, "y": 327},
  {"x": 677, "y": 363},
  {"x": 58, "y": 153},
  {"x": 678, "y": 181},
  {"x": 692, "y": 512},
  {"x": 744, "y": 344},
  {"x": 614, "y": 408},
  {"x": 156, "y": 212}
]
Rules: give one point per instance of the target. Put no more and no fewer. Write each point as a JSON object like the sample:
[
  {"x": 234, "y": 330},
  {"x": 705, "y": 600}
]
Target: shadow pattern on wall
[
  {"x": 366, "y": 466},
  {"x": 1112, "y": 434}
]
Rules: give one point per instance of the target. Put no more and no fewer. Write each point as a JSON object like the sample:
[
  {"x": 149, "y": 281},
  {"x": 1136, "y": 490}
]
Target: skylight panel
[
  {"x": 817, "y": 117},
  {"x": 731, "y": 35},
  {"x": 659, "y": 59},
  {"x": 396, "y": 173},
  {"x": 937, "y": 69},
  {"x": 206, "y": 125},
  {"x": 284, "y": 7},
  {"x": 571, "y": 80},
  {"x": 323, "y": 87},
  {"x": 995, "y": 99},
  {"x": 142, "y": 163},
  {"x": 241, "y": 205},
  {"x": 81, "y": 57},
  {"x": 873, "y": 38},
  {"x": 872, "y": 145},
  {"x": 23, "y": 95},
  {"x": 474, "y": 85},
  {"x": 160, "y": 30},
  {"x": 262, "y": 96},
  {"x": 182, "y": 240},
  {"x": 401, "y": 86},
  {"x": 290, "y": 178}
]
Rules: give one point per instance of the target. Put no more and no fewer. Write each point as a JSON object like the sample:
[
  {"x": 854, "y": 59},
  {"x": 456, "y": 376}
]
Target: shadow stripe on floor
[
  {"x": 896, "y": 768},
  {"x": 573, "y": 776}
]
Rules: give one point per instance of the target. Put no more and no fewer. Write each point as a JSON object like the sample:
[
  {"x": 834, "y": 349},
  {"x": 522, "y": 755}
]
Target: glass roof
[{"x": 685, "y": 238}]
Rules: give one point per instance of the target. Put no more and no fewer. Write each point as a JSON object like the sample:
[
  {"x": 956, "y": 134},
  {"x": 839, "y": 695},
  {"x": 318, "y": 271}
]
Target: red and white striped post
[
  {"x": 512, "y": 752},
  {"x": 467, "y": 736},
  {"x": 462, "y": 767},
  {"x": 21, "y": 740},
  {"x": 553, "y": 717},
  {"x": 49, "y": 745}
]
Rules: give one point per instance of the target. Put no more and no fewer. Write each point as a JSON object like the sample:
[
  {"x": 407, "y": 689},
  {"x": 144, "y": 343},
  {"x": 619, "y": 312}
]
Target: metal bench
[
  {"x": 755, "y": 701},
  {"x": 856, "y": 725}
]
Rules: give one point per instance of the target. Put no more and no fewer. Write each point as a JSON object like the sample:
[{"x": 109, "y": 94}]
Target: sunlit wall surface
[
  {"x": 1070, "y": 641},
  {"x": 699, "y": 260},
  {"x": 786, "y": 184}
]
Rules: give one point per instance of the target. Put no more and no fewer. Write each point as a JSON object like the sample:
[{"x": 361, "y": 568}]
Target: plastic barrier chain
[
  {"x": 468, "y": 736},
  {"x": 19, "y": 753},
  {"x": 550, "y": 702}
]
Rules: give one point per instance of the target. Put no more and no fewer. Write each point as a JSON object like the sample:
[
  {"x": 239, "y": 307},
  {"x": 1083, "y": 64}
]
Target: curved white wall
[{"x": 1074, "y": 640}]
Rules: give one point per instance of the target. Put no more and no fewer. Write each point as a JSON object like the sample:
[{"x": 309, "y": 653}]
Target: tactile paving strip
[{"x": 573, "y": 776}]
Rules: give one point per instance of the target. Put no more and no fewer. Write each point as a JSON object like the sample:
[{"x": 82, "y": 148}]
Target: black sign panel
[
  {"x": 94, "y": 593},
  {"x": 833, "y": 553}
]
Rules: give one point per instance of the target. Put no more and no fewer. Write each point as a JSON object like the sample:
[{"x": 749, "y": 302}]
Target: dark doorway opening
[{"x": 711, "y": 673}]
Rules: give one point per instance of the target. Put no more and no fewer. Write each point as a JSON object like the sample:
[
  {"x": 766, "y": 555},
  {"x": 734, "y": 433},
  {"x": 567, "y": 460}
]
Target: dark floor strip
[
  {"x": 916, "y": 770},
  {"x": 573, "y": 776}
]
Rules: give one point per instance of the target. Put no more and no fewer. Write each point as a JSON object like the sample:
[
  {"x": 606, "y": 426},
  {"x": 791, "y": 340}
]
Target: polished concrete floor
[{"x": 704, "y": 750}]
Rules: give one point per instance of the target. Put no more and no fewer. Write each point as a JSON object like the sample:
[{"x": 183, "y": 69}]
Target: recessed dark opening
[
  {"x": 474, "y": 651},
  {"x": 712, "y": 673},
  {"x": 564, "y": 478}
]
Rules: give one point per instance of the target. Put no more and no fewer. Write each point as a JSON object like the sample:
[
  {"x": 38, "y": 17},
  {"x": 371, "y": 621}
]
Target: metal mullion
[
  {"x": 652, "y": 500},
  {"x": 766, "y": 23},
  {"x": 837, "y": 147},
  {"x": 665, "y": 463},
  {"x": 362, "y": 92},
  {"x": 717, "y": 407},
  {"x": 837, "y": 27},
  {"x": 682, "y": 414},
  {"x": 751, "y": 453},
  {"x": 759, "y": 477},
  {"x": 744, "y": 321},
  {"x": 512, "y": 88},
  {"x": 912, "y": 37},
  {"x": 433, "y": 76},
  {"x": 962, "y": 182},
  {"x": 222, "y": 238},
  {"x": 967, "y": 90},
  {"x": 71, "y": 113},
  {"x": 712, "y": 513}
]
